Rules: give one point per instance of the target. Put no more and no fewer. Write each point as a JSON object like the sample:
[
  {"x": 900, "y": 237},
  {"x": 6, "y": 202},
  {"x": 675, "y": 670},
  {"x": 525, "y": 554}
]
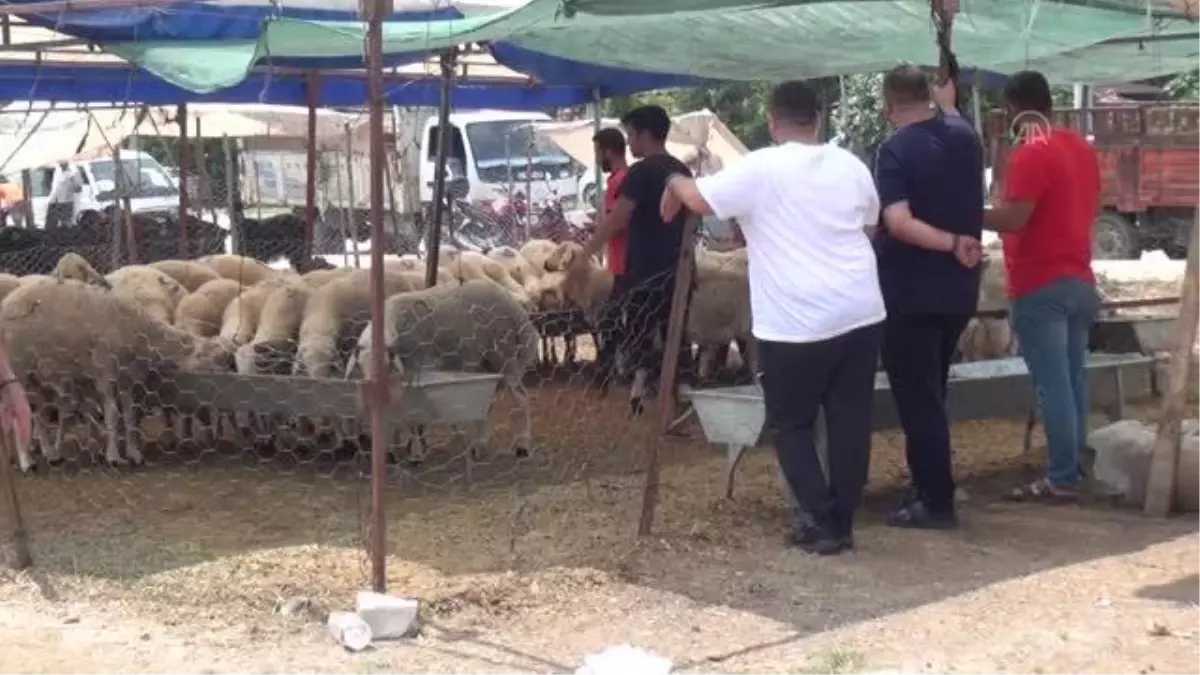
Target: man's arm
[
  {"x": 613, "y": 223},
  {"x": 728, "y": 194},
  {"x": 897, "y": 216},
  {"x": 1024, "y": 182},
  {"x": 684, "y": 189}
]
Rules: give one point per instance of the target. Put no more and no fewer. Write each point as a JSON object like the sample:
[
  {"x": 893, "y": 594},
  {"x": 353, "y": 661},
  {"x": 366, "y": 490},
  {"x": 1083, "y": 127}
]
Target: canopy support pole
[
  {"x": 433, "y": 234},
  {"x": 598, "y": 170},
  {"x": 310, "y": 167},
  {"x": 377, "y": 393},
  {"x": 185, "y": 154}
]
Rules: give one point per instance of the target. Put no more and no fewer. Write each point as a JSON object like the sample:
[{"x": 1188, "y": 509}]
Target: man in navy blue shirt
[{"x": 929, "y": 175}]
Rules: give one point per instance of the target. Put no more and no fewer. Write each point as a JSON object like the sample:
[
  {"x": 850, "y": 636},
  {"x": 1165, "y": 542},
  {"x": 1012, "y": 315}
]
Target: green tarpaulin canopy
[{"x": 1069, "y": 40}]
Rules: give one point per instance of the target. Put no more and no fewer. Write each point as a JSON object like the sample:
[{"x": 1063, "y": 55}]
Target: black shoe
[
  {"x": 812, "y": 539},
  {"x": 916, "y": 515}
]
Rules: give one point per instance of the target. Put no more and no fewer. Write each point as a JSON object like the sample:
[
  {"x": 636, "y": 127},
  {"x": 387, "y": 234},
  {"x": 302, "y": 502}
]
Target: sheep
[
  {"x": 189, "y": 273},
  {"x": 474, "y": 327},
  {"x": 415, "y": 266},
  {"x": 240, "y": 319},
  {"x": 201, "y": 311},
  {"x": 708, "y": 260},
  {"x": 74, "y": 266},
  {"x": 277, "y": 328},
  {"x": 79, "y": 337},
  {"x": 156, "y": 292},
  {"x": 337, "y": 311},
  {"x": 517, "y": 266},
  {"x": 468, "y": 265},
  {"x": 317, "y": 278},
  {"x": 988, "y": 337},
  {"x": 537, "y": 252},
  {"x": 563, "y": 256},
  {"x": 720, "y": 314},
  {"x": 8, "y": 284},
  {"x": 239, "y": 268}
]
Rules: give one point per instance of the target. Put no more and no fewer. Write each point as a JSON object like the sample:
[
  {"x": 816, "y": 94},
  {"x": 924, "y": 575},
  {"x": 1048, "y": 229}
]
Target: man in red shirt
[
  {"x": 1051, "y": 197},
  {"x": 610, "y": 149}
]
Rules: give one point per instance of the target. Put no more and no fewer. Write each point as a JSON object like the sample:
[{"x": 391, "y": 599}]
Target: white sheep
[
  {"x": 476, "y": 327},
  {"x": 335, "y": 314},
  {"x": 248, "y": 271},
  {"x": 77, "y": 337},
  {"x": 468, "y": 265},
  {"x": 317, "y": 278},
  {"x": 563, "y": 255},
  {"x": 240, "y": 319},
  {"x": 718, "y": 315},
  {"x": 156, "y": 292},
  {"x": 74, "y": 266},
  {"x": 201, "y": 311},
  {"x": 278, "y": 327},
  {"x": 518, "y": 267},
  {"x": 8, "y": 284},
  {"x": 537, "y": 252},
  {"x": 189, "y": 273}
]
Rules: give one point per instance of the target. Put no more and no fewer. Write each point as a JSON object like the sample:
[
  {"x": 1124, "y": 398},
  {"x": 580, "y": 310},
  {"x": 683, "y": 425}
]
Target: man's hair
[
  {"x": 906, "y": 84},
  {"x": 1029, "y": 90},
  {"x": 650, "y": 119},
  {"x": 610, "y": 139},
  {"x": 795, "y": 103}
]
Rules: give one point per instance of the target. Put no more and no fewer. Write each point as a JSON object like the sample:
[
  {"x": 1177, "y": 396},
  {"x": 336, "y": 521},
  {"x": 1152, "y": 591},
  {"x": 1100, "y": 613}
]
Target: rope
[{"x": 941, "y": 13}]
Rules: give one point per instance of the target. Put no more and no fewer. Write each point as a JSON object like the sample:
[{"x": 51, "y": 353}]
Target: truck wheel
[{"x": 1114, "y": 237}]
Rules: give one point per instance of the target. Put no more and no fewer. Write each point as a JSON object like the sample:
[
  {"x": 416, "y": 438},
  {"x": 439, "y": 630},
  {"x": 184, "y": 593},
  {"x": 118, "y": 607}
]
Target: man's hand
[
  {"x": 968, "y": 251},
  {"x": 669, "y": 207},
  {"x": 15, "y": 417},
  {"x": 945, "y": 95}
]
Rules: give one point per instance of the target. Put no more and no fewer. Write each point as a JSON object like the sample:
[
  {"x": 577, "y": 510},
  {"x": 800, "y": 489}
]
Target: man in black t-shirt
[{"x": 653, "y": 244}]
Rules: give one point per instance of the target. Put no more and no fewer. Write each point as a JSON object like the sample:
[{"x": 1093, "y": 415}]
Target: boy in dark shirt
[{"x": 653, "y": 246}]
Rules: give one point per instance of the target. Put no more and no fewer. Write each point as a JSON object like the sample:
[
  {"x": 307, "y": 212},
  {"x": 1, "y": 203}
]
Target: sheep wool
[
  {"x": 189, "y": 273},
  {"x": 156, "y": 292},
  {"x": 75, "y": 267},
  {"x": 335, "y": 313},
  {"x": 200, "y": 312},
  {"x": 274, "y": 341},
  {"x": 248, "y": 271},
  {"x": 537, "y": 252}
]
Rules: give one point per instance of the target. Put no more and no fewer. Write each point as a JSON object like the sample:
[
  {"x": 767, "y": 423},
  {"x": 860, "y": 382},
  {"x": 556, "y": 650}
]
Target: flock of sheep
[
  {"x": 113, "y": 341},
  {"x": 85, "y": 340}
]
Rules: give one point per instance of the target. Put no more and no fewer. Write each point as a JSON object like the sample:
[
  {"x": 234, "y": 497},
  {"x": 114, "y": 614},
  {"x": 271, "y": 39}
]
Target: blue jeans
[{"x": 1052, "y": 326}]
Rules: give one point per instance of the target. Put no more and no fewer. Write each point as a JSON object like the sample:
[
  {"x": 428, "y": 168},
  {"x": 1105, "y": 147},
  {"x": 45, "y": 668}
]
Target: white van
[
  {"x": 151, "y": 188},
  {"x": 495, "y": 148}
]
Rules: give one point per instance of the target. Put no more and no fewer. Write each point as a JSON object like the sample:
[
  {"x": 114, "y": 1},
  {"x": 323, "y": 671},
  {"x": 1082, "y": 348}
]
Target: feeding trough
[
  {"x": 429, "y": 396},
  {"x": 735, "y": 417}
]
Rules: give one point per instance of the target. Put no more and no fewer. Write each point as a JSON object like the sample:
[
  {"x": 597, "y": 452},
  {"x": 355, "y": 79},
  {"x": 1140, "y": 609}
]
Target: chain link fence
[{"x": 196, "y": 355}]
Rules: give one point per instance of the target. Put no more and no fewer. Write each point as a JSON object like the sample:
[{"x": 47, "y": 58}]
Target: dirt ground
[{"x": 179, "y": 568}]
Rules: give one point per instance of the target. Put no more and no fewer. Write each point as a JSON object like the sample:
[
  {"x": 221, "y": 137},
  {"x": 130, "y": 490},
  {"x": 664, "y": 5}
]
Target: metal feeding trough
[
  {"x": 735, "y": 417},
  {"x": 430, "y": 396},
  {"x": 1134, "y": 334}
]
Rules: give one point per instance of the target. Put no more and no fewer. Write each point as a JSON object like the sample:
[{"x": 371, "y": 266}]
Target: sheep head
[
  {"x": 72, "y": 266},
  {"x": 563, "y": 256},
  {"x": 550, "y": 293},
  {"x": 211, "y": 355}
]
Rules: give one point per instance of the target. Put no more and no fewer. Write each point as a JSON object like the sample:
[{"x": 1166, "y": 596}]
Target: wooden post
[
  {"x": 131, "y": 246},
  {"x": 666, "y": 384},
  {"x": 378, "y": 391},
  {"x": 1164, "y": 463},
  {"x": 310, "y": 167},
  {"x": 235, "y": 224},
  {"x": 18, "y": 538},
  {"x": 352, "y": 224},
  {"x": 185, "y": 154}
]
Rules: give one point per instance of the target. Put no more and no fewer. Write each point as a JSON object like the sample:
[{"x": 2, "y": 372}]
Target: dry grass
[{"x": 536, "y": 560}]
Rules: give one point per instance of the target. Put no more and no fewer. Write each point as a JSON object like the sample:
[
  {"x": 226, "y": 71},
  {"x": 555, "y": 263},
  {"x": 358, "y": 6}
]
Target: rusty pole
[
  {"x": 434, "y": 232},
  {"x": 379, "y": 394},
  {"x": 185, "y": 154},
  {"x": 310, "y": 179}
]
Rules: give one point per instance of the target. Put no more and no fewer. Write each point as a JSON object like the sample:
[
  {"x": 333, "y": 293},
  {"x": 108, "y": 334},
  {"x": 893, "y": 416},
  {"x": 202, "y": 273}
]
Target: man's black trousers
[
  {"x": 838, "y": 375},
  {"x": 917, "y": 351}
]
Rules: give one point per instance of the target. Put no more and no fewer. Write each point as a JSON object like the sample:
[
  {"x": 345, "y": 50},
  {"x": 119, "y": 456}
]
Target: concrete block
[{"x": 389, "y": 617}]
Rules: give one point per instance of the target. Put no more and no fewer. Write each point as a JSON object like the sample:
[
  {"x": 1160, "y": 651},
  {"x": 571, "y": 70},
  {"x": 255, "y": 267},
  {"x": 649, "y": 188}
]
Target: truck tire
[{"x": 1114, "y": 237}]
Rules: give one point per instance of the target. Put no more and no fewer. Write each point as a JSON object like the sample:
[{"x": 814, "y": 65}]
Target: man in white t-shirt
[
  {"x": 60, "y": 212},
  {"x": 817, "y": 310}
]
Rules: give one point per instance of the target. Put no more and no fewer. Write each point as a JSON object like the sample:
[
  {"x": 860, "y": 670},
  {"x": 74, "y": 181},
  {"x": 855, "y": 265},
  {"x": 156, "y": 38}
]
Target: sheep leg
[
  {"x": 524, "y": 441},
  {"x": 637, "y": 392},
  {"x": 569, "y": 347},
  {"x": 112, "y": 418},
  {"x": 417, "y": 446},
  {"x": 131, "y": 425}
]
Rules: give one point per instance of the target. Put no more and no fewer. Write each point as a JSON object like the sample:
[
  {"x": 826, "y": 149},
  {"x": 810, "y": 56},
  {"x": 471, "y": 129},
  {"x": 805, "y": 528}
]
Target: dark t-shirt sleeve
[
  {"x": 889, "y": 176},
  {"x": 633, "y": 187}
]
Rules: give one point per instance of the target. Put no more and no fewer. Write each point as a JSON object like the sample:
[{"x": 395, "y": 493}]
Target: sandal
[{"x": 1042, "y": 490}]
